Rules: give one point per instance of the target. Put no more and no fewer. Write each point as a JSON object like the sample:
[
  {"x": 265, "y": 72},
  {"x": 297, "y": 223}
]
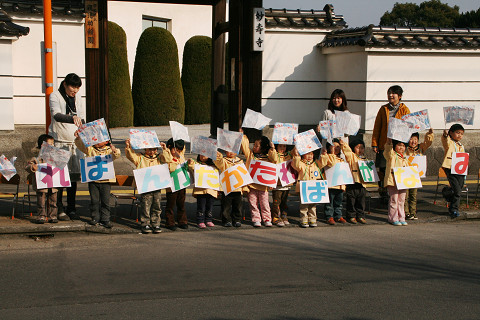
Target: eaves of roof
[
  {"x": 9, "y": 29},
  {"x": 303, "y": 19}
]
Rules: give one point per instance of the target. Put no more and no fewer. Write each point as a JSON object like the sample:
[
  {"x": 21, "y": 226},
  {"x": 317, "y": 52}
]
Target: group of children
[{"x": 402, "y": 203}]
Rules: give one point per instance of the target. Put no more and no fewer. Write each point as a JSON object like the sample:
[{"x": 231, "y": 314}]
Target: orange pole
[{"x": 47, "y": 36}]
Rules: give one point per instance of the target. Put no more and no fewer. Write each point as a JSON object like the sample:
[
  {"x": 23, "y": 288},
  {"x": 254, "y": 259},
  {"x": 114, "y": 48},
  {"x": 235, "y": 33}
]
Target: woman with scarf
[{"x": 67, "y": 114}]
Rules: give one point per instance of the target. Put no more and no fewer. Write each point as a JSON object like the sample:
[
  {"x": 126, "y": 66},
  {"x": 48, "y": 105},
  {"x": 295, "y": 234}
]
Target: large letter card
[
  {"x": 264, "y": 173},
  {"x": 460, "y": 163},
  {"x": 286, "y": 174},
  {"x": 314, "y": 191},
  {"x": 339, "y": 174},
  {"x": 97, "y": 168},
  {"x": 368, "y": 171},
  {"x": 48, "y": 176},
  {"x": 229, "y": 140},
  {"x": 420, "y": 162},
  {"x": 234, "y": 178},
  {"x": 180, "y": 177},
  {"x": 143, "y": 139},
  {"x": 205, "y": 146},
  {"x": 407, "y": 178},
  {"x": 206, "y": 177},
  {"x": 152, "y": 178},
  {"x": 283, "y": 133},
  {"x": 306, "y": 142},
  {"x": 93, "y": 132}
]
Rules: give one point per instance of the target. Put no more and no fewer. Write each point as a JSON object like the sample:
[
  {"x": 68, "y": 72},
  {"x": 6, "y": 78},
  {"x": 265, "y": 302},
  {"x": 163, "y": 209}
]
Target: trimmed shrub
[
  {"x": 119, "y": 91},
  {"x": 196, "y": 79},
  {"x": 157, "y": 89}
]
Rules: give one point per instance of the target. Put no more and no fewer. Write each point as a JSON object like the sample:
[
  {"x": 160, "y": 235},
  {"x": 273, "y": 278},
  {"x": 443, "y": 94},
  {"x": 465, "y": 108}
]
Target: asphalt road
[{"x": 423, "y": 271}]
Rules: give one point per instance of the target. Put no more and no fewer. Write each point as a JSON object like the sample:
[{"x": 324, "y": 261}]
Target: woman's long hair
[{"x": 341, "y": 94}]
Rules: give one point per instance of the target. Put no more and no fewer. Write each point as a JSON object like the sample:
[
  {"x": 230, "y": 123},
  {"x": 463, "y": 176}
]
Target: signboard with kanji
[{"x": 91, "y": 24}]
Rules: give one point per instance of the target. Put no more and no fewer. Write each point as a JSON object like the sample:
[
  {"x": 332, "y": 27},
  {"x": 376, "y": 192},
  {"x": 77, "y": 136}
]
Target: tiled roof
[
  {"x": 301, "y": 19},
  {"x": 74, "y": 8},
  {"x": 402, "y": 37},
  {"x": 10, "y": 29}
]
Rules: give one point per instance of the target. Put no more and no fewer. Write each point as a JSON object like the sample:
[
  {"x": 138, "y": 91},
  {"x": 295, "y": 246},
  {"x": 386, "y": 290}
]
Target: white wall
[
  {"x": 6, "y": 85},
  {"x": 293, "y": 87},
  {"x": 186, "y": 21}
]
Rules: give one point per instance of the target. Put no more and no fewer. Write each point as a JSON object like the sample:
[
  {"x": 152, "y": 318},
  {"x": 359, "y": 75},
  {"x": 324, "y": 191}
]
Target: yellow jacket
[
  {"x": 422, "y": 147},
  {"x": 308, "y": 170},
  {"x": 271, "y": 157},
  {"x": 332, "y": 160},
  {"x": 394, "y": 160},
  {"x": 223, "y": 164},
  {"x": 379, "y": 135},
  {"x": 352, "y": 159},
  {"x": 92, "y": 152},
  {"x": 450, "y": 147},
  {"x": 142, "y": 161},
  {"x": 199, "y": 191}
]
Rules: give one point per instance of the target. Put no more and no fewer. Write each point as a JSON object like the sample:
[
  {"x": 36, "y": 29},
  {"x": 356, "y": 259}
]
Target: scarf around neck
[{"x": 70, "y": 102}]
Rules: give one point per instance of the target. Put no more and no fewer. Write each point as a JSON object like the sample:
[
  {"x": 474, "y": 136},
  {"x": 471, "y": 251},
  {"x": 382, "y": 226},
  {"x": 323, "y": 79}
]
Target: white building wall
[
  {"x": 6, "y": 85},
  {"x": 293, "y": 86},
  {"x": 186, "y": 21}
]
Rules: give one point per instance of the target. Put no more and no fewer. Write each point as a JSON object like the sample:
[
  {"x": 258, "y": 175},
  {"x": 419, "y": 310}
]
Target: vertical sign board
[
  {"x": 91, "y": 24},
  {"x": 258, "y": 29}
]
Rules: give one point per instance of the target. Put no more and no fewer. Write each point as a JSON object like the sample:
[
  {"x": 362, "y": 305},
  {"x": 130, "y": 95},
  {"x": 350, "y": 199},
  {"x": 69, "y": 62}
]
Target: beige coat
[
  {"x": 450, "y": 147},
  {"x": 173, "y": 162},
  {"x": 142, "y": 161},
  {"x": 352, "y": 159},
  {"x": 271, "y": 157},
  {"x": 394, "y": 160},
  {"x": 223, "y": 164},
  {"x": 308, "y": 170}
]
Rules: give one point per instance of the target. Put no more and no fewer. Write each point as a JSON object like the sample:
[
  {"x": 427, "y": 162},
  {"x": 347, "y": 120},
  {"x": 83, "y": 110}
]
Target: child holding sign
[
  {"x": 308, "y": 169},
  {"x": 356, "y": 193},
  {"x": 174, "y": 155},
  {"x": 451, "y": 143},
  {"x": 415, "y": 149},
  {"x": 150, "y": 201},
  {"x": 205, "y": 196},
  {"x": 262, "y": 150},
  {"x": 43, "y": 195},
  {"x": 231, "y": 203},
  {"x": 99, "y": 190},
  {"x": 394, "y": 155},
  {"x": 280, "y": 193},
  {"x": 333, "y": 209}
]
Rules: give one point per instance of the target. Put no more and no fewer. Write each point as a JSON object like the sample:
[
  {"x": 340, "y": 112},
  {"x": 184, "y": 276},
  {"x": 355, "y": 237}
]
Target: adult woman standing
[
  {"x": 338, "y": 102},
  {"x": 68, "y": 113}
]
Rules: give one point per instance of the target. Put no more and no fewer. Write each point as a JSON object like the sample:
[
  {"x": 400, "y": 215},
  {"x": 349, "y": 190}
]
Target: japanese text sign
[
  {"x": 420, "y": 162},
  {"x": 91, "y": 24},
  {"x": 314, "y": 191},
  {"x": 459, "y": 114},
  {"x": 93, "y": 132},
  {"x": 460, "y": 163},
  {"x": 418, "y": 121},
  {"x": 264, "y": 173},
  {"x": 258, "y": 29},
  {"x": 283, "y": 133},
  {"x": 179, "y": 131},
  {"x": 255, "y": 120},
  {"x": 7, "y": 169},
  {"x": 399, "y": 130},
  {"x": 180, "y": 177},
  {"x": 286, "y": 174},
  {"x": 306, "y": 142},
  {"x": 205, "y": 146},
  {"x": 152, "y": 178},
  {"x": 48, "y": 176},
  {"x": 97, "y": 168},
  {"x": 407, "y": 178},
  {"x": 347, "y": 122},
  {"x": 229, "y": 140},
  {"x": 234, "y": 178},
  {"x": 55, "y": 156},
  {"x": 339, "y": 174},
  {"x": 368, "y": 171},
  {"x": 143, "y": 139},
  {"x": 206, "y": 177}
]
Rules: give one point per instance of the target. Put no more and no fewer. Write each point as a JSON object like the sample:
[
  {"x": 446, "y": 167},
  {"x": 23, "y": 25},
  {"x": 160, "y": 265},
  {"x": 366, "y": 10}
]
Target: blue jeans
[{"x": 334, "y": 208}]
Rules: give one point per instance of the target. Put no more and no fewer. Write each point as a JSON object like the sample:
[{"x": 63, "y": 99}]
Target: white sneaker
[
  {"x": 268, "y": 224},
  {"x": 257, "y": 224},
  {"x": 313, "y": 224}
]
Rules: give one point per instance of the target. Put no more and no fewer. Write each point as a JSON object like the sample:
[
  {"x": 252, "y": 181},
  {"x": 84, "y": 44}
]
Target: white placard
[
  {"x": 418, "y": 121},
  {"x": 234, "y": 178},
  {"x": 399, "y": 130},
  {"x": 48, "y": 176},
  {"x": 255, "y": 120},
  {"x": 420, "y": 162},
  {"x": 368, "y": 171},
  {"x": 7, "y": 168},
  {"x": 152, "y": 178},
  {"x": 286, "y": 174},
  {"x": 53, "y": 155},
  {"x": 306, "y": 142},
  {"x": 283, "y": 133},
  {"x": 206, "y": 177},
  {"x": 143, "y": 139},
  {"x": 229, "y": 140},
  {"x": 263, "y": 173},
  {"x": 205, "y": 146},
  {"x": 339, "y": 174},
  {"x": 347, "y": 123},
  {"x": 407, "y": 178},
  {"x": 314, "y": 191},
  {"x": 97, "y": 168},
  {"x": 179, "y": 131},
  {"x": 460, "y": 163},
  {"x": 93, "y": 132},
  {"x": 459, "y": 114}
]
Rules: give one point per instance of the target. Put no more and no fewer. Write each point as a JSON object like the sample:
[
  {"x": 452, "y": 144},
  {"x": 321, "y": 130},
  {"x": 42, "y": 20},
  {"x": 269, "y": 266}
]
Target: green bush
[
  {"x": 196, "y": 79},
  {"x": 157, "y": 89},
  {"x": 119, "y": 91}
]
